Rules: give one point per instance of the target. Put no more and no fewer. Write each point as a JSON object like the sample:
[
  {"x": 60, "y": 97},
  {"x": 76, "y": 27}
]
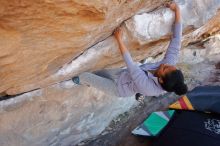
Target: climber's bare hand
[
  {"x": 172, "y": 5},
  {"x": 118, "y": 33}
]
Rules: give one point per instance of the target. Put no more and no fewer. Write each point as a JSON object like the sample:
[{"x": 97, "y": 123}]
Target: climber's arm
[
  {"x": 131, "y": 65},
  {"x": 118, "y": 35},
  {"x": 172, "y": 54},
  {"x": 175, "y": 8}
]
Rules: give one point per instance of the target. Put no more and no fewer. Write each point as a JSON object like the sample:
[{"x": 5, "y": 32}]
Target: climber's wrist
[
  {"x": 177, "y": 14},
  {"x": 119, "y": 40}
]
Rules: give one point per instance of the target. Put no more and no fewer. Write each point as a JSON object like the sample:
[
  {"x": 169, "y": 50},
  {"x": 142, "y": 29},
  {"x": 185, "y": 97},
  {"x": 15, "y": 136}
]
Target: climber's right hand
[
  {"x": 175, "y": 8},
  {"x": 172, "y": 5},
  {"x": 118, "y": 36}
]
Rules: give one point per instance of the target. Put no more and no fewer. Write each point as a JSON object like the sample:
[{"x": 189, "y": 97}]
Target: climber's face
[{"x": 163, "y": 70}]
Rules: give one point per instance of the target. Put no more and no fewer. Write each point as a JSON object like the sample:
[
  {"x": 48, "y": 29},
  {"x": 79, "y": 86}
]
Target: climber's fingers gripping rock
[{"x": 118, "y": 33}]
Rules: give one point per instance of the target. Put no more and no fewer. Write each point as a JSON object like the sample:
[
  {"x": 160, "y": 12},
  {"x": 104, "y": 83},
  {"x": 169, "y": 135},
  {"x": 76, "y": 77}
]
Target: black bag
[{"x": 189, "y": 128}]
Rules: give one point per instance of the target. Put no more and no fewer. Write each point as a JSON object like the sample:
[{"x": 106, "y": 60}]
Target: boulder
[
  {"x": 39, "y": 36},
  {"x": 45, "y": 43},
  {"x": 146, "y": 35}
]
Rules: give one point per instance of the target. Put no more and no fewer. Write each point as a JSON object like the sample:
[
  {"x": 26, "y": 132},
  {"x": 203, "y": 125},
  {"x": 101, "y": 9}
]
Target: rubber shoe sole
[{"x": 76, "y": 80}]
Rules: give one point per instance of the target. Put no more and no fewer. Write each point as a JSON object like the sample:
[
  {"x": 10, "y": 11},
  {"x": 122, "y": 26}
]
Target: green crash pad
[{"x": 153, "y": 125}]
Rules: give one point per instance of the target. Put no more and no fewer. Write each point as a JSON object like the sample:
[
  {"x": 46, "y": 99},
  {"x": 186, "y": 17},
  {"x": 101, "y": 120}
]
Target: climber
[{"x": 146, "y": 79}]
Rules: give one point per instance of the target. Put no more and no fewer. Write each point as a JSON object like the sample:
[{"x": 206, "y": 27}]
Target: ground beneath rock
[{"x": 119, "y": 131}]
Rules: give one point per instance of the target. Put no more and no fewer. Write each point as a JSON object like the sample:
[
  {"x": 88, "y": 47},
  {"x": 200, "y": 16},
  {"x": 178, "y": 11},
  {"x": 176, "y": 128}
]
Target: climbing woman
[{"x": 146, "y": 79}]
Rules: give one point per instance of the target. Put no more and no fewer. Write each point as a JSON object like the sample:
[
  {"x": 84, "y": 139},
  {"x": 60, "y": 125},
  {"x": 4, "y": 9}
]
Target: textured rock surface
[
  {"x": 32, "y": 52},
  {"x": 146, "y": 34},
  {"x": 39, "y": 36},
  {"x": 62, "y": 114},
  {"x": 200, "y": 62},
  {"x": 65, "y": 114}
]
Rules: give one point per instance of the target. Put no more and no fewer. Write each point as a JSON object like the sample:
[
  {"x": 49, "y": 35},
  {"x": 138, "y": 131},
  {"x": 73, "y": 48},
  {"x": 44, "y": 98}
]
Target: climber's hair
[{"x": 174, "y": 82}]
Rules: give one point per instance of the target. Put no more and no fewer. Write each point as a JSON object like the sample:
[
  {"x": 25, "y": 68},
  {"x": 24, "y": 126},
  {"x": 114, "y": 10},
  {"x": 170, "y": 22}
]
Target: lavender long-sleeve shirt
[{"x": 134, "y": 80}]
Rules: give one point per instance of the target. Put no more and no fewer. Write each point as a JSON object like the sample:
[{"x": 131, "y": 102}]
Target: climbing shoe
[
  {"x": 140, "y": 98},
  {"x": 76, "y": 80}
]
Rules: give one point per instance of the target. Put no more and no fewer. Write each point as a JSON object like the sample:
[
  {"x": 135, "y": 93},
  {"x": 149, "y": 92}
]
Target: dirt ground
[{"x": 118, "y": 133}]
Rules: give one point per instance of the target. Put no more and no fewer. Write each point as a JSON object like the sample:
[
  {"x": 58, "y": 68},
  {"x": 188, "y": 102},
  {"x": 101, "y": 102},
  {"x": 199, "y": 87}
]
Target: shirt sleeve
[
  {"x": 132, "y": 67},
  {"x": 134, "y": 70},
  {"x": 172, "y": 54}
]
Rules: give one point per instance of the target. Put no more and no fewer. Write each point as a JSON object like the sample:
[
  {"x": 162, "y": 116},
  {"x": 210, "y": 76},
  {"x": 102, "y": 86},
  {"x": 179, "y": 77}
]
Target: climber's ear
[{"x": 160, "y": 80}]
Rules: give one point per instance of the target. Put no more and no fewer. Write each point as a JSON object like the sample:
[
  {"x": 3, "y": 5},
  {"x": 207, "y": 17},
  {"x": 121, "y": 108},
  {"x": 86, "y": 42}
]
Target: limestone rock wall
[
  {"x": 61, "y": 113},
  {"x": 146, "y": 35},
  {"x": 39, "y": 36},
  {"x": 65, "y": 114}
]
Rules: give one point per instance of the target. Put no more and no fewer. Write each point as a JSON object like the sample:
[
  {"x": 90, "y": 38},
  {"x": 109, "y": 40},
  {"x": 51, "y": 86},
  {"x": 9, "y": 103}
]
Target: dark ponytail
[
  {"x": 180, "y": 89},
  {"x": 174, "y": 82}
]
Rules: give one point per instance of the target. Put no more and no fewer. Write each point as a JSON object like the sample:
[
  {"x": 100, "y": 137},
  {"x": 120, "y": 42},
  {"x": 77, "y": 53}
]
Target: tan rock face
[
  {"x": 45, "y": 42},
  {"x": 63, "y": 114},
  {"x": 39, "y": 36}
]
